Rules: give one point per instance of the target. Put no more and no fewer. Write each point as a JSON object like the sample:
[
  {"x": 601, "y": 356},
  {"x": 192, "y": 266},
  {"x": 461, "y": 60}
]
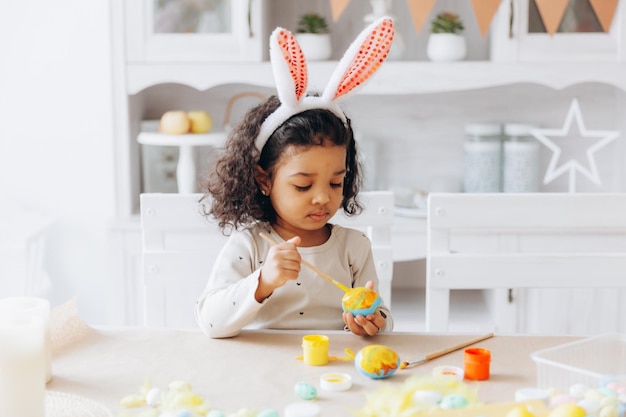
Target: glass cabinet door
[{"x": 194, "y": 30}]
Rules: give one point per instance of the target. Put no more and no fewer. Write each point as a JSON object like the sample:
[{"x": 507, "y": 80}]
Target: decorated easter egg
[
  {"x": 520, "y": 411},
  {"x": 305, "y": 391},
  {"x": 360, "y": 300},
  {"x": 270, "y": 412},
  {"x": 377, "y": 361},
  {"x": 453, "y": 401},
  {"x": 568, "y": 410}
]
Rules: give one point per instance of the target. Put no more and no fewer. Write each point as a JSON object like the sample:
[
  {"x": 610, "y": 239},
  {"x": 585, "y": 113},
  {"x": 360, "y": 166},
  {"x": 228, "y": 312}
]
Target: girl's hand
[
  {"x": 364, "y": 325},
  {"x": 281, "y": 265}
]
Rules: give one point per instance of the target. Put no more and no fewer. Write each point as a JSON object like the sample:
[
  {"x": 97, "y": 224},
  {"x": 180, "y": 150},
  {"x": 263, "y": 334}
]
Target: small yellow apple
[
  {"x": 175, "y": 122},
  {"x": 201, "y": 121}
]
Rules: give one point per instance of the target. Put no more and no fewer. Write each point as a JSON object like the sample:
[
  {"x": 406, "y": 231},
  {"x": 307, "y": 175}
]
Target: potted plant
[
  {"x": 313, "y": 36},
  {"x": 446, "y": 42}
]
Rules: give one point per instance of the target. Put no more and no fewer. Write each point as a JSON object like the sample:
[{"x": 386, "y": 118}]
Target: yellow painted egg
[
  {"x": 360, "y": 300},
  {"x": 568, "y": 410},
  {"x": 520, "y": 411},
  {"x": 377, "y": 361}
]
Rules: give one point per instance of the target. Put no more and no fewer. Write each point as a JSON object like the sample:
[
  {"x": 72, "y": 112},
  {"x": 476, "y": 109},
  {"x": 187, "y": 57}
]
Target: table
[{"x": 259, "y": 370}]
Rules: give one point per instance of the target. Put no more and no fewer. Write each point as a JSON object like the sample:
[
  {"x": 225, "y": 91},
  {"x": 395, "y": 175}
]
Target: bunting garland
[
  {"x": 485, "y": 10},
  {"x": 420, "y": 9},
  {"x": 337, "y": 7},
  {"x": 551, "y": 12},
  {"x": 605, "y": 10}
]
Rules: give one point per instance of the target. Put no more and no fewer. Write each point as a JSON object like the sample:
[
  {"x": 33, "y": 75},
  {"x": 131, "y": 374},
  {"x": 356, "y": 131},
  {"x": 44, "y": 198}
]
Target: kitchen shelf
[
  {"x": 394, "y": 77},
  {"x": 215, "y": 139}
]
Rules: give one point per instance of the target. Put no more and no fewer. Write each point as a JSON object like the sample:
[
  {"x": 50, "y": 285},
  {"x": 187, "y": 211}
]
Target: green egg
[{"x": 305, "y": 391}]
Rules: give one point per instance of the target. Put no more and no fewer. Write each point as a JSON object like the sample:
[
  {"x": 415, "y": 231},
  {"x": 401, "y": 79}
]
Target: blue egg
[
  {"x": 377, "y": 361},
  {"x": 270, "y": 412},
  {"x": 183, "y": 413},
  {"x": 453, "y": 401},
  {"x": 215, "y": 413},
  {"x": 305, "y": 391}
]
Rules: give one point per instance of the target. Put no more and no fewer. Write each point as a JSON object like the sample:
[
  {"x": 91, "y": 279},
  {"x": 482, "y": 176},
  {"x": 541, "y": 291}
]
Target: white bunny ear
[
  {"x": 361, "y": 60},
  {"x": 289, "y": 67}
]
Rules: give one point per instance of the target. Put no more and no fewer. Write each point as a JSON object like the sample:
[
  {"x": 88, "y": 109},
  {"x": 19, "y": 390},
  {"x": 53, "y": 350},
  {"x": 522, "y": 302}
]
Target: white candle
[
  {"x": 32, "y": 307},
  {"x": 22, "y": 382}
]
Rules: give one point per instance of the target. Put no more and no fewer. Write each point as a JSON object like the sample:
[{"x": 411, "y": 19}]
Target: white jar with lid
[
  {"x": 520, "y": 159},
  {"x": 482, "y": 158}
]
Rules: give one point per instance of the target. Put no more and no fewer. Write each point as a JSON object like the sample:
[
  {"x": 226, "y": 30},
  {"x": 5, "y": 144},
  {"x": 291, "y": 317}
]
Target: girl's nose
[{"x": 321, "y": 197}]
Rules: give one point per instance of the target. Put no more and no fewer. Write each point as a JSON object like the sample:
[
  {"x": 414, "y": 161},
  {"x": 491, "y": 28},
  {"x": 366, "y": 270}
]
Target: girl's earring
[{"x": 263, "y": 192}]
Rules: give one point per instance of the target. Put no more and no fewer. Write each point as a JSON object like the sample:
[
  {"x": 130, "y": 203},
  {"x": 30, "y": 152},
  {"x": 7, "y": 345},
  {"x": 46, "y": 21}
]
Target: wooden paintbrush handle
[{"x": 458, "y": 346}]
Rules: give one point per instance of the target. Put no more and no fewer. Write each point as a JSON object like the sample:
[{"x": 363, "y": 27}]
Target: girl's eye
[
  {"x": 305, "y": 188},
  {"x": 336, "y": 184}
]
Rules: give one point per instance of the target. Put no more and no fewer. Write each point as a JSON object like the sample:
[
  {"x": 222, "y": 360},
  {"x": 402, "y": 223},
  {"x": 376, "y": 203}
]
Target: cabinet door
[{"x": 194, "y": 30}]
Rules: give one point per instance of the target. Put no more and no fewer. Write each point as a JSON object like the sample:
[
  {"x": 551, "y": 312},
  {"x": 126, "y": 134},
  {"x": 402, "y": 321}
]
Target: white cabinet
[{"x": 184, "y": 31}]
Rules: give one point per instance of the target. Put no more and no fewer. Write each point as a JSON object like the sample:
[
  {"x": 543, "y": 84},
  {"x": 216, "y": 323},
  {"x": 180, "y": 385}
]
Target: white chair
[
  {"x": 180, "y": 246},
  {"x": 536, "y": 241}
]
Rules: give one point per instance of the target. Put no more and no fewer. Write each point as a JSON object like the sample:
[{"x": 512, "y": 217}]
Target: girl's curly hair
[{"x": 235, "y": 197}]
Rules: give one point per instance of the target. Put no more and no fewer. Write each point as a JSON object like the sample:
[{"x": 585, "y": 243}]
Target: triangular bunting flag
[
  {"x": 551, "y": 12},
  {"x": 605, "y": 10},
  {"x": 337, "y": 7},
  {"x": 484, "y": 11},
  {"x": 420, "y": 9}
]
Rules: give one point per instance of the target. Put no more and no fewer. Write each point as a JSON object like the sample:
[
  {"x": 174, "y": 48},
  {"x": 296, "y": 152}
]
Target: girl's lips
[{"x": 320, "y": 215}]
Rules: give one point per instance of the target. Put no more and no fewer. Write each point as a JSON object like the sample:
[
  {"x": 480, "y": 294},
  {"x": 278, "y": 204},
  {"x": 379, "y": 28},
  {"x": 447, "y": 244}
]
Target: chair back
[
  {"x": 528, "y": 241},
  {"x": 180, "y": 246}
]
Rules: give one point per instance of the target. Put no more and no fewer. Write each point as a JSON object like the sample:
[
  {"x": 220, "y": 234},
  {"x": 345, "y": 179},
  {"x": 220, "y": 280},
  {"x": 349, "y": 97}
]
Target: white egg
[
  {"x": 593, "y": 394},
  {"x": 153, "y": 397},
  {"x": 426, "y": 397},
  {"x": 590, "y": 406},
  {"x": 578, "y": 390},
  {"x": 608, "y": 411}
]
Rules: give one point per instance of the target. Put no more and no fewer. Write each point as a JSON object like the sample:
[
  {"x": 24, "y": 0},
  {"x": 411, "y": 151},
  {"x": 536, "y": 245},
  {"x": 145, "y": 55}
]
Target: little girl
[{"x": 287, "y": 168}]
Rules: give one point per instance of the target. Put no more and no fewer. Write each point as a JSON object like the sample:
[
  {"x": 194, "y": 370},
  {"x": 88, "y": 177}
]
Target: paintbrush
[
  {"x": 444, "y": 351},
  {"x": 310, "y": 266}
]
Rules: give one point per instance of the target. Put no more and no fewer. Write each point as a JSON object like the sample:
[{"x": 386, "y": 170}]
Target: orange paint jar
[{"x": 477, "y": 361}]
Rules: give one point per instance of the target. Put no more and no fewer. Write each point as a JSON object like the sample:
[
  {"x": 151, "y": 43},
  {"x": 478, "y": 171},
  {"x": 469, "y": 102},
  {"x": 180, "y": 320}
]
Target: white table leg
[{"x": 186, "y": 170}]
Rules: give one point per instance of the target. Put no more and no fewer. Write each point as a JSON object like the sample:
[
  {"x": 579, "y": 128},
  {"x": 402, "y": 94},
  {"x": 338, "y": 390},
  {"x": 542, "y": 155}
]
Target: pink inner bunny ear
[
  {"x": 372, "y": 53},
  {"x": 293, "y": 56}
]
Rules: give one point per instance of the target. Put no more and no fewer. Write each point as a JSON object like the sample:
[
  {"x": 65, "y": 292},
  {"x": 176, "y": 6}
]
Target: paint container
[
  {"x": 477, "y": 361},
  {"x": 315, "y": 349},
  {"x": 335, "y": 381},
  {"x": 447, "y": 371}
]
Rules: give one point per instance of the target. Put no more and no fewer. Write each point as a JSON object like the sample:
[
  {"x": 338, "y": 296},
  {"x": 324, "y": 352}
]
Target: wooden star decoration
[{"x": 572, "y": 166}]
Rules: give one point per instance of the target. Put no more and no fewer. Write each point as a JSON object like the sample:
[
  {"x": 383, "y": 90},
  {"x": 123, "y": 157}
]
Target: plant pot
[
  {"x": 446, "y": 47},
  {"x": 316, "y": 47}
]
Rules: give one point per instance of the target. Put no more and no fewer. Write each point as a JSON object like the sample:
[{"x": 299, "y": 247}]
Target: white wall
[{"x": 56, "y": 136}]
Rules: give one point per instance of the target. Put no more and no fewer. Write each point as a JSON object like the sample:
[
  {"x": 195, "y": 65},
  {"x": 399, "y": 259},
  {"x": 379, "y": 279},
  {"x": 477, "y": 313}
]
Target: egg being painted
[
  {"x": 377, "y": 361},
  {"x": 360, "y": 300}
]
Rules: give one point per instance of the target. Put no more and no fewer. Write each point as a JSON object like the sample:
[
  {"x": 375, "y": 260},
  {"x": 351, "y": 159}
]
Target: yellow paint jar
[{"x": 315, "y": 349}]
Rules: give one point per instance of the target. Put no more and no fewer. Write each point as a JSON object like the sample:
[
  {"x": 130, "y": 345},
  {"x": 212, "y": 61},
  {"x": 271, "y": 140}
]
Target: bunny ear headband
[{"x": 361, "y": 60}]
